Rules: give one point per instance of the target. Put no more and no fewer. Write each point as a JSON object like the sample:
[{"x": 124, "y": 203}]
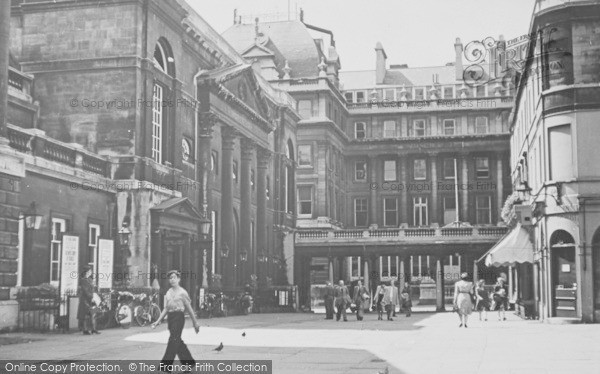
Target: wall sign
[
  {"x": 105, "y": 263},
  {"x": 69, "y": 267}
]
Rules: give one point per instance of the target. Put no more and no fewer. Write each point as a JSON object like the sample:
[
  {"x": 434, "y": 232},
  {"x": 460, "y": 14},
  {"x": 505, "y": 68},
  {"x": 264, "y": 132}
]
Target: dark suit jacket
[
  {"x": 341, "y": 294},
  {"x": 329, "y": 292}
]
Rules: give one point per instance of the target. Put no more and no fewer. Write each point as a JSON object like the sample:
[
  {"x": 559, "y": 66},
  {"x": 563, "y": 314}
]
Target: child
[{"x": 406, "y": 301}]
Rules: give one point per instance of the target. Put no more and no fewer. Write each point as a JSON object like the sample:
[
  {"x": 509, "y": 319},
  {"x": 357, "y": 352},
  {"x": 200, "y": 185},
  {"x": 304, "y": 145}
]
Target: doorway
[{"x": 564, "y": 275}]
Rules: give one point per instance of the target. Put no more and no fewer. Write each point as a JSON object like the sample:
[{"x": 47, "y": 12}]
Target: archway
[{"x": 564, "y": 274}]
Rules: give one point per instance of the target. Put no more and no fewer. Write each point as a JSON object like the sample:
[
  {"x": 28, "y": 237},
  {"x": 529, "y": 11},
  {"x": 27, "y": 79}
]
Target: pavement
[{"x": 297, "y": 343}]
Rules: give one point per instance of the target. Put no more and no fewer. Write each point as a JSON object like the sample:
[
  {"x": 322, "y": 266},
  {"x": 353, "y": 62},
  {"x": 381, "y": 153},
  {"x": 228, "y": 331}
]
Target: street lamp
[
  {"x": 225, "y": 251},
  {"x": 205, "y": 225},
  {"x": 244, "y": 255},
  {"x": 33, "y": 221}
]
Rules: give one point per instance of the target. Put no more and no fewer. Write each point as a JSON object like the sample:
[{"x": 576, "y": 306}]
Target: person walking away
[
  {"x": 329, "y": 296},
  {"x": 482, "y": 305},
  {"x": 361, "y": 297},
  {"x": 342, "y": 299},
  {"x": 463, "y": 304},
  {"x": 406, "y": 300},
  {"x": 86, "y": 311},
  {"x": 379, "y": 294},
  {"x": 388, "y": 301},
  {"x": 395, "y": 297},
  {"x": 501, "y": 298},
  {"x": 177, "y": 302}
]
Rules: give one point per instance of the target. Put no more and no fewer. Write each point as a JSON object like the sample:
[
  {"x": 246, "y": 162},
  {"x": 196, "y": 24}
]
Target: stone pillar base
[{"x": 9, "y": 315}]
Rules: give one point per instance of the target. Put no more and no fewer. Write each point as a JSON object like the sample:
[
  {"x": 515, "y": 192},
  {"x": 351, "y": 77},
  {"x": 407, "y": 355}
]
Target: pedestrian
[
  {"x": 379, "y": 294},
  {"x": 329, "y": 296},
  {"x": 177, "y": 302},
  {"x": 406, "y": 300},
  {"x": 395, "y": 298},
  {"x": 86, "y": 311},
  {"x": 501, "y": 298},
  {"x": 342, "y": 301},
  {"x": 388, "y": 301},
  {"x": 463, "y": 304},
  {"x": 482, "y": 305},
  {"x": 361, "y": 299}
]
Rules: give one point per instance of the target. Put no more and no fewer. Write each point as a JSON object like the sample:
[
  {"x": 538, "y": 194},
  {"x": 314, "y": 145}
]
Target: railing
[
  {"x": 440, "y": 104},
  {"x": 400, "y": 234},
  {"x": 36, "y": 143}
]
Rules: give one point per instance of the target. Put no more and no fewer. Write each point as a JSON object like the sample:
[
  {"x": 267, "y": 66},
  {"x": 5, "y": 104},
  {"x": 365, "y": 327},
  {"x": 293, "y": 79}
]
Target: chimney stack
[
  {"x": 458, "y": 65},
  {"x": 380, "y": 63}
]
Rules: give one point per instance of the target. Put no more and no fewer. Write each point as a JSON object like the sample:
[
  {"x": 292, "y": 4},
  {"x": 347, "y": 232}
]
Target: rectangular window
[
  {"x": 360, "y": 171},
  {"x": 449, "y": 168},
  {"x": 448, "y": 92},
  {"x": 560, "y": 150},
  {"x": 390, "y": 208},
  {"x": 482, "y": 167},
  {"x": 481, "y": 125},
  {"x": 483, "y": 208},
  {"x": 420, "y": 169},
  {"x": 348, "y": 96},
  {"x": 420, "y": 211},
  {"x": 449, "y": 209},
  {"x": 157, "y": 123},
  {"x": 93, "y": 235},
  {"x": 419, "y": 94},
  {"x": 389, "y": 129},
  {"x": 449, "y": 127},
  {"x": 59, "y": 226},
  {"x": 360, "y": 130},
  {"x": 419, "y": 127},
  {"x": 360, "y": 97},
  {"x": 305, "y": 201},
  {"x": 480, "y": 91},
  {"x": 389, "y": 94},
  {"x": 305, "y": 108},
  {"x": 305, "y": 155},
  {"x": 360, "y": 212},
  {"x": 389, "y": 170}
]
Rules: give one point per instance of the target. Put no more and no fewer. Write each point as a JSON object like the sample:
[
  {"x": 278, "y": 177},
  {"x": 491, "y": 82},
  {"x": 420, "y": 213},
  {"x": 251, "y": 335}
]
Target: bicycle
[{"x": 148, "y": 312}]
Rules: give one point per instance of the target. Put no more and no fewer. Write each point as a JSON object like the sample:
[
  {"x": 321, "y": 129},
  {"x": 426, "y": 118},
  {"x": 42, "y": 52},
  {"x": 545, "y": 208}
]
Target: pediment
[{"x": 180, "y": 207}]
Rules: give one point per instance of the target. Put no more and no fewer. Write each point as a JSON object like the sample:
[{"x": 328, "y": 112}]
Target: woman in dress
[
  {"x": 406, "y": 300},
  {"x": 177, "y": 302},
  {"x": 380, "y": 293},
  {"x": 361, "y": 296},
  {"x": 483, "y": 299},
  {"x": 501, "y": 298},
  {"x": 463, "y": 291}
]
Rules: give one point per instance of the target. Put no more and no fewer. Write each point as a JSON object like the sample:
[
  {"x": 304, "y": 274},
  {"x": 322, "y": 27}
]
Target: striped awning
[{"x": 514, "y": 248}]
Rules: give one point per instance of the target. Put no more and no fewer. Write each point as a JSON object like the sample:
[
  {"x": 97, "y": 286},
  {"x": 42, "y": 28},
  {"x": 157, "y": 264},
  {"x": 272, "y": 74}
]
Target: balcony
[{"x": 401, "y": 235}]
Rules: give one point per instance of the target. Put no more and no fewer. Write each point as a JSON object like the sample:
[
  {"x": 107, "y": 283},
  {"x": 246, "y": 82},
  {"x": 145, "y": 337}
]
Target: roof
[
  {"x": 423, "y": 76},
  {"x": 291, "y": 39}
]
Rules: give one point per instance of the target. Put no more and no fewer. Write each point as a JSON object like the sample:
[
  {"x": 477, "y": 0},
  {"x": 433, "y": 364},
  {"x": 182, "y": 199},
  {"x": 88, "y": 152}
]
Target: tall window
[
  {"x": 305, "y": 201},
  {"x": 360, "y": 170},
  {"x": 389, "y": 170},
  {"x": 360, "y": 212},
  {"x": 59, "y": 226},
  {"x": 360, "y": 97},
  {"x": 420, "y": 211},
  {"x": 305, "y": 108},
  {"x": 449, "y": 127},
  {"x": 420, "y": 169},
  {"x": 483, "y": 208},
  {"x": 482, "y": 167},
  {"x": 389, "y": 129},
  {"x": 449, "y": 209},
  {"x": 360, "y": 130},
  {"x": 449, "y": 168},
  {"x": 481, "y": 125},
  {"x": 305, "y": 155},
  {"x": 93, "y": 235},
  {"x": 390, "y": 208},
  {"x": 419, "y": 127},
  {"x": 157, "y": 123},
  {"x": 448, "y": 92},
  {"x": 560, "y": 149},
  {"x": 419, "y": 94}
]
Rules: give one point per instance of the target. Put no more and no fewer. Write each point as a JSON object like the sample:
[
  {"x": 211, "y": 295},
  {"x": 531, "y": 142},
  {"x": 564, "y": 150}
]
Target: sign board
[
  {"x": 69, "y": 267},
  {"x": 105, "y": 263}
]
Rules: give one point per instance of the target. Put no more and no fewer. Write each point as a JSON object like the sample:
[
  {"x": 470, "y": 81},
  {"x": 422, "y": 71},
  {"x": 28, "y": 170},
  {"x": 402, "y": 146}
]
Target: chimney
[
  {"x": 458, "y": 65},
  {"x": 380, "y": 61}
]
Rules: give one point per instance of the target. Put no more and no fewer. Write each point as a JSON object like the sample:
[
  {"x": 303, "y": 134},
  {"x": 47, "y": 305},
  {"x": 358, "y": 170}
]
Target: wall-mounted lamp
[
  {"x": 33, "y": 221},
  {"x": 225, "y": 251},
  {"x": 244, "y": 255},
  {"x": 124, "y": 234}
]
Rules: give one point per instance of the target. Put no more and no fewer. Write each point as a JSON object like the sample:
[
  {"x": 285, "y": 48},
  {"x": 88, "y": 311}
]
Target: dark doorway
[{"x": 564, "y": 274}]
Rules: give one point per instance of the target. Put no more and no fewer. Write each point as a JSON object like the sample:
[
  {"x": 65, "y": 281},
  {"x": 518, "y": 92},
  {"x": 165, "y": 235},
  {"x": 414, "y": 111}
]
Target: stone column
[
  {"x": 247, "y": 147},
  {"x": 462, "y": 185},
  {"x": 227, "y": 223},
  {"x": 439, "y": 283},
  {"x": 403, "y": 194},
  {"x": 500, "y": 187},
  {"x": 402, "y": 273},
  {"x": 475, "y": 272},
  {"x": 372, "y": 166},
  {"x": 434, "y": 190},
  {"x": 263, "y": 159},
  {"x": 330, "y": 263},
  {"x": 366, "y": 272},
  {"x": 206, "y": 122}
]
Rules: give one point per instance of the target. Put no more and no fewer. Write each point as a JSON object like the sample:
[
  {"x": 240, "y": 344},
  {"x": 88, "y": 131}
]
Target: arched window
[{"x": 163, "y": 57}]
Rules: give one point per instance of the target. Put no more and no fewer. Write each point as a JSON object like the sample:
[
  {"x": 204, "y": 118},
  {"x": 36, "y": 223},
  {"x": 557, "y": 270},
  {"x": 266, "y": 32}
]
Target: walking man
[
  {"x": 86, "y": 312},
  {"x": 329, "y": 295},
  {"x": 341, "y": 300}
]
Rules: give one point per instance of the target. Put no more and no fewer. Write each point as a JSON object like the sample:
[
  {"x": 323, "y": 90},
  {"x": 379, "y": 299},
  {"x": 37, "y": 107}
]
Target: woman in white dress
[{"x": 463, "y": 299}]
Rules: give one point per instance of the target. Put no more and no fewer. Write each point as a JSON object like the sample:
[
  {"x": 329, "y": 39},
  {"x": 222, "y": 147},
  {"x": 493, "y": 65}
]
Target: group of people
[
  {"x": 468, "y": 297},
  {"x": 387, "y": 298}
]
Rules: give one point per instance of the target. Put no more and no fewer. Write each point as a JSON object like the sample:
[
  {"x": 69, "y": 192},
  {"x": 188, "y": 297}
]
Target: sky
[{"x": 413, "y": 32}]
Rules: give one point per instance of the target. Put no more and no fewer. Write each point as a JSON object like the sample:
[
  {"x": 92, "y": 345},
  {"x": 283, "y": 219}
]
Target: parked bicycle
[
  {"x": 148, "y": 311},
  {"x": 123, "y": 312},
  {"x": 214, "y": 305}
]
